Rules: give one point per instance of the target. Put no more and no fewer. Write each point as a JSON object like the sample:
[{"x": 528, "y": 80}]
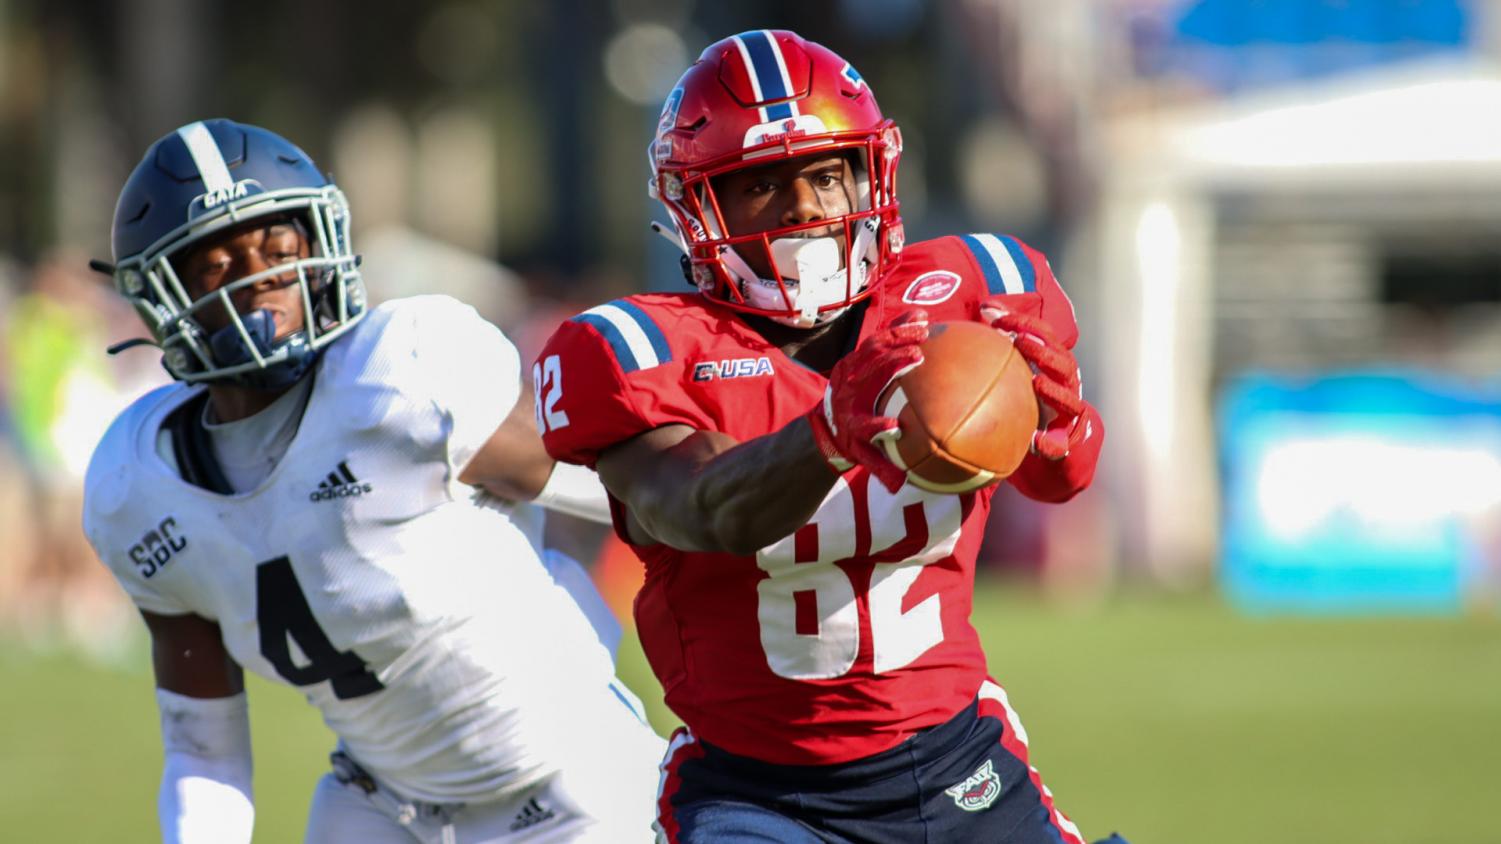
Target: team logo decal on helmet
[
  {"x": 763, "y": 97},
  {"x": 198, "y": 181},
  {"x": 662, "y": 147}
]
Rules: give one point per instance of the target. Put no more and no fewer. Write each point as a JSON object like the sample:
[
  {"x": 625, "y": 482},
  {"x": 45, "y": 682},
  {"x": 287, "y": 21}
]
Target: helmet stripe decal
[
  {"x": 206, "y": 156},
  {"x": 782, "y": 76},
  {"x": 636, "y": 340},
  {"x": 1006, "y": 271},
  {"x": 767, "y": 70}
]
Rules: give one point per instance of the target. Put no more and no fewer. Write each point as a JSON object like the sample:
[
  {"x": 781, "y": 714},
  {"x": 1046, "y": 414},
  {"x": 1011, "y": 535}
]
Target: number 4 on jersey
[{"x": 284, "y": 617}]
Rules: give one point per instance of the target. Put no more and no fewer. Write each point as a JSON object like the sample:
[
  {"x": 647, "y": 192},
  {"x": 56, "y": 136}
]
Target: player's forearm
[
  {"x": 1056, "y": 481},
  {"x": 740, "y": 499},
  {"x": 575, "y": 490},
  {"x": 205, "y": 801},
  {"x": 205, "y": 795}
]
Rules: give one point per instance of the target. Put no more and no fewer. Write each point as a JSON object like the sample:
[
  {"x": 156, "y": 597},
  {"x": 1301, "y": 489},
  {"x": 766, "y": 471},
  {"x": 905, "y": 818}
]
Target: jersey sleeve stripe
[
  {"x": 654, "y": 334},
  {"x": 1022, "y": 263},
  {"x": 635, "y": 339},
  {"x": 1005, "y": 266},
  {"x": 612, "y": 334}
]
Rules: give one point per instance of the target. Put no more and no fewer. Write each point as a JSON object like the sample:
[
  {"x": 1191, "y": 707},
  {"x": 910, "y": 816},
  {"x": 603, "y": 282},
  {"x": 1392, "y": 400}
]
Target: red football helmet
[{"x": 761, "y": 97}]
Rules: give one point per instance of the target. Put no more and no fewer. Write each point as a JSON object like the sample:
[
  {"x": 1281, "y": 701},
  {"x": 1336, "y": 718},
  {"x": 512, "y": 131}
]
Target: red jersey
[{"x": 838, "y": 641}]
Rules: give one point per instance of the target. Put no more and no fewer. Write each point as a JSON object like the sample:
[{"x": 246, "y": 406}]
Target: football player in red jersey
[{"x": 806, "y": 611}]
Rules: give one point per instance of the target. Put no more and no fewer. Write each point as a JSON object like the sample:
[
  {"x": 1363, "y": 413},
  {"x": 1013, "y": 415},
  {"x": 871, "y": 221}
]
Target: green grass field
[{"x": 1172, "y": 719}]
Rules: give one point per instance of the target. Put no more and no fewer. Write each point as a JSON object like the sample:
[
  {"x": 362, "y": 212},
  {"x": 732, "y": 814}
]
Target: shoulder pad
[
  {"x": 117, "y": 449},
  {"x": 117, "y": 459}
]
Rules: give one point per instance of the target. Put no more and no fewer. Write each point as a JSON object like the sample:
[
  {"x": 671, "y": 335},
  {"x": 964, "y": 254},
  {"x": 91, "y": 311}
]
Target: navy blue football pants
[{"x": 966, "y": 780}]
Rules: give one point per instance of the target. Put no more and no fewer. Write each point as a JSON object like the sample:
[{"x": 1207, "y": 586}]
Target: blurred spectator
[{"x": 61, "y": 392}]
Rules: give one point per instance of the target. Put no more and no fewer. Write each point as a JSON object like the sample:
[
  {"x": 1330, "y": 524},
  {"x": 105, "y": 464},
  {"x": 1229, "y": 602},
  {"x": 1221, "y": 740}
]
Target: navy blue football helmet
[{"x": 200, "y": 180}]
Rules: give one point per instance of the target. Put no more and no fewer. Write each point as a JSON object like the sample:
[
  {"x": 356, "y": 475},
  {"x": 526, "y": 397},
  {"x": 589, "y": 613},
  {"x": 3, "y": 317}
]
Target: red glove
[
  {"x": 845, "y": 426},
  {"x": 1055, "y": 379}
]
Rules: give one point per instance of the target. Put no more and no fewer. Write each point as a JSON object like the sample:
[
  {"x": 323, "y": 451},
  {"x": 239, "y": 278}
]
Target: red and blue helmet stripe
[{"x": 767, "y": 69}]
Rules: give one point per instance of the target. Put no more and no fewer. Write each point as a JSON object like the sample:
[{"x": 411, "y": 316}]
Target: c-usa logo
[
  {"x": 712, "y": 370},
  {"x": 978, "y": 790}
]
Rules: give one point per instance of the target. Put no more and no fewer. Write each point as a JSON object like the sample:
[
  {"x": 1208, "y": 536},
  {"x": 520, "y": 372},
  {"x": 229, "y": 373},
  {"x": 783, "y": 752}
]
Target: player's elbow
[
  {"x": 1056, "y": 495},
  {"x": 714, "y": 518},
  {"x": 745, "y": 533},
  {"x": 723, "y": 528},
  {"x": 681, "y": 521},
  {"x": 1052, "y": 483},
  {"x": 740, "y": 543}
]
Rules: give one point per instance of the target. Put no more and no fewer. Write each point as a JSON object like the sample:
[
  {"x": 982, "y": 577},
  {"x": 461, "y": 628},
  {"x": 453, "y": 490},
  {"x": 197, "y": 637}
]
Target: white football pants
[
  {"x": 609, "y": 799},
  {"x": 342, "y": 813}
]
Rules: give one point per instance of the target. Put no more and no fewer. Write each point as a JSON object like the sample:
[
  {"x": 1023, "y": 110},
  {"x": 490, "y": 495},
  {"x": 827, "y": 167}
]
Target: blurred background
[{"x": 1274, "y": 616}]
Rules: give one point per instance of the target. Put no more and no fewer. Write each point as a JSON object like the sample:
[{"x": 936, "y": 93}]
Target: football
[{"x": 967, "y": 412}]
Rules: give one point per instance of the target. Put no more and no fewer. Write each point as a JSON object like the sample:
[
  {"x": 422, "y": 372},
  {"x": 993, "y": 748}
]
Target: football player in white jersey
[{"x": 321, "y": 498}]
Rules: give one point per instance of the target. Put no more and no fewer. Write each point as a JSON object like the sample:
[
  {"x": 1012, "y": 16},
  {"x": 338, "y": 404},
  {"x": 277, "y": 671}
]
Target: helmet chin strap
[
  {"x": 229, "y": 349},
  {"x": 815, "y": 259},
  {"x": 817, "y": 266},
  {"x": 812, "y": 271}
]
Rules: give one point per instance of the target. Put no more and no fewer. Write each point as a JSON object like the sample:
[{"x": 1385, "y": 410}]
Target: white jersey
[{"x": 412, "y": 612}]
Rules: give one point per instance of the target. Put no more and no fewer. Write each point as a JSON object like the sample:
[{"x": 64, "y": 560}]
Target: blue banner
[{"x": 1363, "y": 492}]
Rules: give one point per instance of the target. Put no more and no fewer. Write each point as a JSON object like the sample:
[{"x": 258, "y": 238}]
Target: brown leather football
[{"x": 967, "y": 411}]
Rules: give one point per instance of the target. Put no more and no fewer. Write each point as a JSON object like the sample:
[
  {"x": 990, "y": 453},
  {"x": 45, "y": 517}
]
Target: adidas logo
[
  {"x": 340, "y": 483},
  {"x": 531, "y": 814}
]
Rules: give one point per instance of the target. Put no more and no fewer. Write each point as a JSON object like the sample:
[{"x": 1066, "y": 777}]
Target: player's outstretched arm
[
  {"x": 205, "y": 792},
  {"x": 513, "y": 465},
  {"x": 702, "y": 491}
]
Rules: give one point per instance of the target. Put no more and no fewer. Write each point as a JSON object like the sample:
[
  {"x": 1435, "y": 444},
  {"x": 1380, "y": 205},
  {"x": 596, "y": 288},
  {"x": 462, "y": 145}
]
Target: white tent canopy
[
  {"x": 1430, "y": 119},
  {"x": 1416, "y": 128}
]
